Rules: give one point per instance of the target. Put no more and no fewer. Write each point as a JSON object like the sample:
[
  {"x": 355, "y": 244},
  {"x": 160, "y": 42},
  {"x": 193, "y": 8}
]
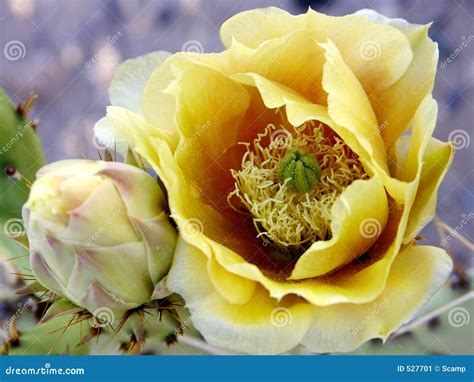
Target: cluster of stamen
[{"x": 283, "y": 216}]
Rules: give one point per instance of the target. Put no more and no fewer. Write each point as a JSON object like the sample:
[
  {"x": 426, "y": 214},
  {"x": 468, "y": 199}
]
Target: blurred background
[{"x": 67, "y": 51}]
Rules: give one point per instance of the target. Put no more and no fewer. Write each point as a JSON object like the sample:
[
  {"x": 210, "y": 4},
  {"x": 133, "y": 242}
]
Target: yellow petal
[
  {"x": 158, "y": 106},
  {"x": 260, "y": 326},
  {"x": 353, "y": 117},
  {"x": 235, "y": 289},
  {"x": 407, "y": 157},
  {"x": 130, "y": 77},
  {"x": 377, "y": 54},
  {"x": 346, "y": 101},
  {"x": 436, "y": 161},
  {"x": 358, "y": 283},
  {"x": 126, "y": 91},
  {"x": 299, "y": 113},
  {"x": 349, "y": 106},
  {"x": 294, "y": 61},
  {"x": 129, "y": 128},
  {"x": 273, "y": 94},
  {"x": 396, "y": 105},
  {"x": 108, "y": 136},
  {"x": 254, "y": 27},
  {"x": 211, "y": 108},
  {"x": 355, "y": 227},
  {"x": 424, "y": 123},
  {"x": 416, "y": 274}
]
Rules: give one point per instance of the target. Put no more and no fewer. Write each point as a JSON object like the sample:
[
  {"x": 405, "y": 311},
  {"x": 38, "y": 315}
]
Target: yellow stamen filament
[{"x": 292, "y": 220}]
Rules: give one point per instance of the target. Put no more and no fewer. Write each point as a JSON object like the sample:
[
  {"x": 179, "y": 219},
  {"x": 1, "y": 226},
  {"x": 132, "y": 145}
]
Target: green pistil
[{"x": 302, "y": 169}]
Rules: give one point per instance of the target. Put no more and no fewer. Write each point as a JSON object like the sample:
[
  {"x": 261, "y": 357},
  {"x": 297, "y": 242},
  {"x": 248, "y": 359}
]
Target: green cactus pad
[{"x": 21, "y": 155}]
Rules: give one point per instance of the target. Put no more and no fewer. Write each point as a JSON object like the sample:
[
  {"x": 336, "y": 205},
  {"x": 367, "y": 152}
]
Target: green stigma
[{"x": 302, "y": 169}]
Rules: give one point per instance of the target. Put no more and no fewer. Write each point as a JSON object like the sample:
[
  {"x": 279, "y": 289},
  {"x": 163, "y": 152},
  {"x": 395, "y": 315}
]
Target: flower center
[
  {"x": 301, "y": 170},
  {"x": 288, "y": 181}
]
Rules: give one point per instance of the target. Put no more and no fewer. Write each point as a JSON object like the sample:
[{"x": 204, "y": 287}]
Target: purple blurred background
[{"x": 67, "y": 52}]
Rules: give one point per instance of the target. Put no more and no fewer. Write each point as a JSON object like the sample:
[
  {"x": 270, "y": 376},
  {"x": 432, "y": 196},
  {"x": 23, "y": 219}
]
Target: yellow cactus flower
[{"x": 296, "y": 191}]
